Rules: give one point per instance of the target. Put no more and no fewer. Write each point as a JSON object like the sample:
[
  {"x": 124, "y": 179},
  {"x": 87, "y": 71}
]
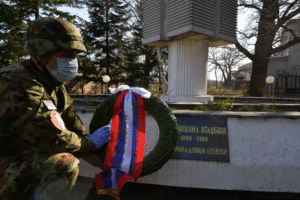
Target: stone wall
[{"x": 263, "y": 148}]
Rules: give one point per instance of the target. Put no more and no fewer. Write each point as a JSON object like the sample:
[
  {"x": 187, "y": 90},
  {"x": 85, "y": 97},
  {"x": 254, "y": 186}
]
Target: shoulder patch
[
  {"x": 49, "y": 104},
  {"x": 57, "y": 120}
]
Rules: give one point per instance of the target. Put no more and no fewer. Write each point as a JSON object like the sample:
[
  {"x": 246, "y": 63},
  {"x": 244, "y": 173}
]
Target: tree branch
[
  {"x": 288, "y": 44},
  {"x": 249, "y": 36},
  {"x": 291, "y": 5},
  {"x": 283, "y": 20},
  {"x": 135, "y": 10},
  {"x": 244, "y": 51},
  {"x": 246, "y": 5}
]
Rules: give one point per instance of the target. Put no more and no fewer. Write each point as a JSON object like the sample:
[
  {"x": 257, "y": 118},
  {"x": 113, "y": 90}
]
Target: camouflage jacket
[{"x": 27, "y": 124}]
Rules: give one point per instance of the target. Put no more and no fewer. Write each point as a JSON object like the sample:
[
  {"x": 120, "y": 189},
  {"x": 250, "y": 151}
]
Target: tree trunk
[
  {"x": 107, "y": 37},
  {"x": 82, "y": 87},
  {"x": 258, "y": 76},
  {"x": 216, "y": 75},
  {"x": 36, "y": 10},
  {"x": 263, "y": 47},
  {"x": 147, "y": 63},
  {"x": 224, "y": 77},
  {"x": 229, "y": 78}
]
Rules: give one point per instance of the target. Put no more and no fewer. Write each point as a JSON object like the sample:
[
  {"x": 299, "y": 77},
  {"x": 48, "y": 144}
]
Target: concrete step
[
  {"x": 193, "y": 105},
  {"x": 259, "y": 99},
  {"x": 84, "y": 190},
  {"x": 238, "y": 106},
  {"x": 99, "y": 98},
  {"x": 254, "y": 103}
]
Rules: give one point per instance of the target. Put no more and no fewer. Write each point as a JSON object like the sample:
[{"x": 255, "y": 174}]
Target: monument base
[{"x": 199, "y": 99}]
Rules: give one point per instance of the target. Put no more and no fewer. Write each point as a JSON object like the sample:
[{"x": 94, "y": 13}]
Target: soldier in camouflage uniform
[{"x": 41, "y": 135}]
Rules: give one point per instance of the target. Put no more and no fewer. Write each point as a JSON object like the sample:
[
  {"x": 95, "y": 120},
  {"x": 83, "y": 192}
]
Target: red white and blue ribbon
[{"x": 125, "y": 152}]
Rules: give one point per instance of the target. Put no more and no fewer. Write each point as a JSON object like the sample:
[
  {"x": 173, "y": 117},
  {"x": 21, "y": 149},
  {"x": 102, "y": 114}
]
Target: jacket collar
[{"x": 45, "y": 79}]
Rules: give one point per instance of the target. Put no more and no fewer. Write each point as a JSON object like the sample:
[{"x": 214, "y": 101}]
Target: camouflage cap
[{"x": 49, "y": 33}]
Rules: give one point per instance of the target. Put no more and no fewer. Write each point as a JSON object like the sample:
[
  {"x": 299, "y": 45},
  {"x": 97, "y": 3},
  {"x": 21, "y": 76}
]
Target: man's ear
[
  {"x": 39, "y": 61},
  {"x": 46, "y": 58}
]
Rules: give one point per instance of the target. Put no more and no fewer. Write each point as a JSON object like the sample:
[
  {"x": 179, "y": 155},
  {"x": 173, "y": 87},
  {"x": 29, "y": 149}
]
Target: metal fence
[{"x": 287, "y": 84}]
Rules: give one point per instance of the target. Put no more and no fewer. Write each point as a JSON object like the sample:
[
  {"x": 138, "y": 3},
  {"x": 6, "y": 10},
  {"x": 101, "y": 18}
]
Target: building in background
[
  {"x": 285, "y": 62},
  {"x": 284, "y": 66},
  {"x": 288, "y": 61},
  {"x": 242, "y": 76}
]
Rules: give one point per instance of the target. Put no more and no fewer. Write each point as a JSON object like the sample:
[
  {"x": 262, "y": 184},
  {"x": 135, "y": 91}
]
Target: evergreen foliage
[
  {"x": 112, "y": 37},
  {"x": 106, "y": 35},
  {"x": 141, "y": 61},
  {"x": 12, "y": 34},
  {"x": 14, "y": 18}
]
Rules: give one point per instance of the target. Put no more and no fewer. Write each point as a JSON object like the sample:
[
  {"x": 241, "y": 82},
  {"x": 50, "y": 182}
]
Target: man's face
[
  {"x": 52, "y": 62},
  {"x": 50, "y": 59},
  {"x": 45, "y": 59}
]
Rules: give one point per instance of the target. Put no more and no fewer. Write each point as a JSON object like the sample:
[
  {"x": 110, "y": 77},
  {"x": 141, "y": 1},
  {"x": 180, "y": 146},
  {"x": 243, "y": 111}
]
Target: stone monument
[{"x": 188, "y": 28}]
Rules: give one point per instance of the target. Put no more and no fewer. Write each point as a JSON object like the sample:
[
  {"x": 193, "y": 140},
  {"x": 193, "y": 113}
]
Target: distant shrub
[
  {"x": 269, "y": 108},
  {"x": 225, "y": 105},
  {"x": 224, "y": 92},
  {"x": 245, "y": 109}
]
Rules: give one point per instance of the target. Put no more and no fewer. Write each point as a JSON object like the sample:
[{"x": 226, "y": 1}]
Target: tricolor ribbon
[{"x": 125, "y": 152}]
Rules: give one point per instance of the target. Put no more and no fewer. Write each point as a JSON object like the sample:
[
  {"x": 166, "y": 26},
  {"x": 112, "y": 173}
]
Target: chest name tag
[
  {"x": 49, "y": 104},
  {"x": 57, "y": 120}
]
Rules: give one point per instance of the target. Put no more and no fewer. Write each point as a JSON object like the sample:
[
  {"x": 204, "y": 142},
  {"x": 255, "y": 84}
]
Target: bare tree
[
  {"x": 269, "y": 18},
  {"x": 225, "y": 59}
]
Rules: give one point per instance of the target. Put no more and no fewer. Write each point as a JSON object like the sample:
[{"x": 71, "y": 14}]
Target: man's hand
[{"x": 100, "y": 136}]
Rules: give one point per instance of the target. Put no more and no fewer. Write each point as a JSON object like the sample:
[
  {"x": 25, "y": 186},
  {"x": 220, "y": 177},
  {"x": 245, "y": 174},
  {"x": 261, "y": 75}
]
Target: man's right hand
[{"x": 100, "y": 136}]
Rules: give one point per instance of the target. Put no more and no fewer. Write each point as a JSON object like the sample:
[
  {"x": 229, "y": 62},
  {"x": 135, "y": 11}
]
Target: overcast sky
[{"x": 83, "y": 13}]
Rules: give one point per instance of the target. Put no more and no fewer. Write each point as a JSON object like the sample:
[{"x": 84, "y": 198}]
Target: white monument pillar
[
  {"x": 188, "y": 28},
  {"x": 188, "y": 70}
]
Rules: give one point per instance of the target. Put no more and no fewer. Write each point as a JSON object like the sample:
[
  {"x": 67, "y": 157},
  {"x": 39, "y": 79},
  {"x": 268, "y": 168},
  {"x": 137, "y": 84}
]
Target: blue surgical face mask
[{"x": 66, "y": 69}]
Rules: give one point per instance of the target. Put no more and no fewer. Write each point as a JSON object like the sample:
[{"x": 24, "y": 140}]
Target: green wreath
[{"x": 167, "y": 122}]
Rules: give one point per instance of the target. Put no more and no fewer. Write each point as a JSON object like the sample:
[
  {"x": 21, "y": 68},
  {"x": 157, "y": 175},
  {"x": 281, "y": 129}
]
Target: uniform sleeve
[
  {"x": 73, "y": 123},
  {"x": 72, "y": 120},
  {"x": 30, "y": 119}
]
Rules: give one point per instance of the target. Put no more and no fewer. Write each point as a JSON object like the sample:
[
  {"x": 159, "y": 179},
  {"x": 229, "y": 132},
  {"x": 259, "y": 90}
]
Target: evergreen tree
[
  {"x": 142, "y": 62},
  {"x": 106, "y": 35},
  {"x": 42, "y": 8},
  {"x": 14, "y": 18},
  {"x": 12, "y": 34}
]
